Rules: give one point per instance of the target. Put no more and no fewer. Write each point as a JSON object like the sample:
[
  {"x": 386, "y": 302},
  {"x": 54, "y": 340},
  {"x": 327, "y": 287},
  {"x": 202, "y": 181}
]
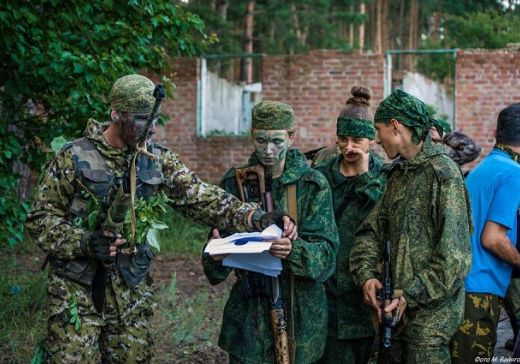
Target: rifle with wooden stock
[{"x": 255, "y": 186}]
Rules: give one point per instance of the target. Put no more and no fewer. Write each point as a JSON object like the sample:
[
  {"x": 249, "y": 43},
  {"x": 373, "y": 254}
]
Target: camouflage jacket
[
  {"x": 425, "y": 213},
  {"x": 246, "y": 331},
  {"x": 59, "y": 237},
  {"x": 353, "y": 198}
]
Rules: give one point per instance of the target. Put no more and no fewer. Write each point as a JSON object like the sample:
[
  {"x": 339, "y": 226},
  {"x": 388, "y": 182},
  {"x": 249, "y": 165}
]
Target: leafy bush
[{"x": 59, "y": 60}]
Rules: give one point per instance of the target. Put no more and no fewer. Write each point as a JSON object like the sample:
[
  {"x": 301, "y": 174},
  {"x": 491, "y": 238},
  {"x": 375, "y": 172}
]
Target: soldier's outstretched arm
[{"x": 47, "y": 221}]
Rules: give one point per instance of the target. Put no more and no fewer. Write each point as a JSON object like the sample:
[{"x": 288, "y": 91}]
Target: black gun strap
[{"x": 98, "y": 288}]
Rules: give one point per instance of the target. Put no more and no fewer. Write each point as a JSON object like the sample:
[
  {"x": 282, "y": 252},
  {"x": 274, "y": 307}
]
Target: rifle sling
[{"x": 292, "y": 208}]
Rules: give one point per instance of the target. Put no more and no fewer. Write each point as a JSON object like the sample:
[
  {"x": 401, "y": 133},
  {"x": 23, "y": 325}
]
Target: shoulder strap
[{"x": 292, "y": 208}]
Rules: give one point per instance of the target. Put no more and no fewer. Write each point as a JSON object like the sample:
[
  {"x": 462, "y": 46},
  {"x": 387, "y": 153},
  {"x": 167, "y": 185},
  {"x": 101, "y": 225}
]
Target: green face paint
[{"x": 271, "y": 147}]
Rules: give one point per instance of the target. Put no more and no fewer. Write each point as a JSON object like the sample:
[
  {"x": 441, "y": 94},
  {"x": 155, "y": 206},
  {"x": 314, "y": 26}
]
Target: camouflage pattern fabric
[
  {"x": 443, "y": 127},
  {"x": 347, "y": 351},
  {"x": 121, "y": 335},
  {"x": 426, "y": 216},
  {"x": 461, "y": 148},
  {"x": 408, "y": 110},
  {"x": 361, "y": 128},
  {"x": 478, "y": 332},
  {"x": 511, "y": 304},
  {"x": 50, "y": 223},
  {"x": 132, "y": 93},
  {"x": 246, "y": 332},
  {"x": 272, "y": 115},
  {"x": 349, "y": 316}
]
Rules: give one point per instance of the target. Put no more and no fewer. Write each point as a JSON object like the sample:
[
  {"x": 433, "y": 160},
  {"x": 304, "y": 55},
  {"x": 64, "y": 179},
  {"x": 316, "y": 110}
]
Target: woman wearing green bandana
[
  {"x": 307, "y": 261},
  {"x": 357, "y": 182},
  {"x": 424, "y": 213}
]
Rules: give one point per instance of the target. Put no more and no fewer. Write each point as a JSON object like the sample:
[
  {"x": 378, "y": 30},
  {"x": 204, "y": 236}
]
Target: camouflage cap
[
  {"x": 408, "y": 110},
  {"x": 272, "y": 115},
  {"x": 132, "y": 93}
]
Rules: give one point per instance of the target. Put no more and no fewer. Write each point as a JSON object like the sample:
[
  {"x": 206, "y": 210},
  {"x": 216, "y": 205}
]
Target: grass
[
  {"x": 183, "y": 238},
  {"x": 22, "y": 320},
  {"x": 23, "y": 296}
]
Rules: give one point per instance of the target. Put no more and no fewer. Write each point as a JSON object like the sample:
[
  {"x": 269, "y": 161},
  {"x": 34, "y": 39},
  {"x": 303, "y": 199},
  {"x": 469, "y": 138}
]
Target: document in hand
[
  {"x": 249, "y": 251},
  {"x": 244, "y": 243}
]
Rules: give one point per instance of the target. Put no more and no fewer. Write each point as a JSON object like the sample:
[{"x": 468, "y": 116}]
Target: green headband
[
  {"x": 409, "y": 111},
  {"x": 272, "y": 115},
  {"x": 361, "y": 128}
]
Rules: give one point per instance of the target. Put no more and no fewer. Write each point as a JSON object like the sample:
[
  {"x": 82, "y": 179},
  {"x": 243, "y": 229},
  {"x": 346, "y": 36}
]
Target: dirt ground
[{"x": 190, "y": 279}]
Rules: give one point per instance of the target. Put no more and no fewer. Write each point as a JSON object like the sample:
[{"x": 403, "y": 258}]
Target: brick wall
[
  {"x": 486, "y": 82},
  {"x": 316, "y": 85}
]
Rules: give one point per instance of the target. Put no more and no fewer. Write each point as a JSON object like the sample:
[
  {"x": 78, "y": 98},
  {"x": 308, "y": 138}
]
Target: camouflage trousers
[
  {"x": 77, "y": 333},
  {"x": 477, "y": 335},
  {"x": 347, "y": 351},
  {"x": 409, "y": 353}
]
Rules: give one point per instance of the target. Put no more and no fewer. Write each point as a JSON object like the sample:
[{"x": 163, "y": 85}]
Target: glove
[
  {"x": 97, "y": 246},
  {"x": 262, "y": 220}
]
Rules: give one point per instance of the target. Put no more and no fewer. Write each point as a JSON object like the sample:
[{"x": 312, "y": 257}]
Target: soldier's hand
[
  {"x": 216, "y": 235},
  {"x": 289, "y": 228},
  {"x": 370, "y": 288},
  {"x": 281, "y": 248},
  {"x": 102, "y": 245},
  {"x": 396, "y": 308}
]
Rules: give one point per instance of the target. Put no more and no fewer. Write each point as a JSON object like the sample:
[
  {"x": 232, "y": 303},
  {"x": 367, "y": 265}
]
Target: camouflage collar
[
  {"x": 295, "y": 164},
  {"x": 514, "y": 156},
  {"x": 94, "y": 132},
  {"x": 428, "y": 151},
  {"x": 337, "y": 178}
]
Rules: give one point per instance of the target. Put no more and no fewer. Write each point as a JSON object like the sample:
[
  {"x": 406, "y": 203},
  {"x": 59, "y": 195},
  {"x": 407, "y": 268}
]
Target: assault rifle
[
  {"x": 386, "y": 295},
  {"x": 254, "y": 186}
]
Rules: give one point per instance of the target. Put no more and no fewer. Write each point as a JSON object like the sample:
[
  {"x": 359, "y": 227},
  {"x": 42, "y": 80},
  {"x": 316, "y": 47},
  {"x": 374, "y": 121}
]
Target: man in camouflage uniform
[
  {"x": 424, "y": 214},
  {"x": 307, "y": 262},
  {"x": 100, "y": 296},
  {"x": 357, "y": 180},
  {"x": 494, "y": 190}
]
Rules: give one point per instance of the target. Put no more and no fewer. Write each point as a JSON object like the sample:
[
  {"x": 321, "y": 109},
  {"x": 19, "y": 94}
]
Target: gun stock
[{"x": 387, "y": 294}]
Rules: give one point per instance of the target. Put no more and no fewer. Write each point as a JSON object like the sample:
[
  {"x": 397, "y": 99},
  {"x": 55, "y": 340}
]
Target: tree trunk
[
  {"x": 412, "y": 34},
  {"x": 379, "y": 26},
  {"x": 362, "y": 11},
  {"x": 246, "y": 64},
  {"x": 222, "y": 9},
  {"x": 437, "y": 21},
  {"x": 351, "y": 29}
]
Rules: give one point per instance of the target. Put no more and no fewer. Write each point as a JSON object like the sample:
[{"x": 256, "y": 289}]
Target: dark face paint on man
[
  {"x": 271, "y": 146},
  {"x": 132, "y": 126}
]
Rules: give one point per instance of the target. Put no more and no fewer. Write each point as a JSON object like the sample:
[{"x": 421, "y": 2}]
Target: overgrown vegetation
[{"x": 59, "y": 60}]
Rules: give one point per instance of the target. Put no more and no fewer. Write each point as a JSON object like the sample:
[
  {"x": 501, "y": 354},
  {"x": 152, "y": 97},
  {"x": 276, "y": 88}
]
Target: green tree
[{"x": 58, "y": 61}]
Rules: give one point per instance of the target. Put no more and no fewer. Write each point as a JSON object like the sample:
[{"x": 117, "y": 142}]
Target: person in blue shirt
[{"x": 494, "y": 190}]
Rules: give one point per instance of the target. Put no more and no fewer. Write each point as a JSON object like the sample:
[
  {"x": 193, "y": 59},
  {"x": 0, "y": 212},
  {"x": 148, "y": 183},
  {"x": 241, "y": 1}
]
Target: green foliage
[
  {"x": 149, "y": 213},
  {"x": 184, "y": 238},
  {"x": 59, "y": 59},
  {"x": 484, "y": 29},
  {"x": 73, "y": 312}
]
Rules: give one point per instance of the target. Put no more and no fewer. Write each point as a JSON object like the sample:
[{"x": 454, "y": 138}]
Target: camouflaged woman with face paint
[
  {"x": 357, "y": 181},
  {"x": 246, "y": 332},
  {"x": 77, "y": 180},
  {"x": 424, "y": 213}
]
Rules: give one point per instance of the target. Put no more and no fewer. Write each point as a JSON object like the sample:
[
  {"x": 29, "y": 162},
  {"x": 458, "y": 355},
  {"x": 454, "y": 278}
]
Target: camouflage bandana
[
  {"x": 360, "y": 128},
  {"x": 132, "y": 93},
  {"x": 272, "y": 115},
  {"x": 442, "y": 126},
  {"x": 514, "y": 155},
  {"x": 409, "y": 111}
]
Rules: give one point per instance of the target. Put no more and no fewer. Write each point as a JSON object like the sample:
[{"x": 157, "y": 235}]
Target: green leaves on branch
[{"x": 59, "y": 60}]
